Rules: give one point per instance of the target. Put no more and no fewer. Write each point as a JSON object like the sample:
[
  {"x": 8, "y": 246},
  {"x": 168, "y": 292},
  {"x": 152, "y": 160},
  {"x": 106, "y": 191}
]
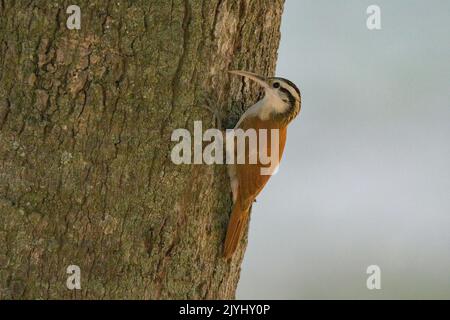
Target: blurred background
[{"x": 365, "y": 178}]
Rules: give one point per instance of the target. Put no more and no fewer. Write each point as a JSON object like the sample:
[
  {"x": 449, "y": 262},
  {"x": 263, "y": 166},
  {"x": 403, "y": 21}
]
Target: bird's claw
[{"x": 217, "y": 116}]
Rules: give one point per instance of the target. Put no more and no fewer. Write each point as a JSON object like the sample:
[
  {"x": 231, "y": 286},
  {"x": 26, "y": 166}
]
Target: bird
[{"x": 280, "y": 104}]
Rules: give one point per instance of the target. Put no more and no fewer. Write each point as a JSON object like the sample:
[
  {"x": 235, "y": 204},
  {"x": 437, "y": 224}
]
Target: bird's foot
[{"x": 211, "y": 105}]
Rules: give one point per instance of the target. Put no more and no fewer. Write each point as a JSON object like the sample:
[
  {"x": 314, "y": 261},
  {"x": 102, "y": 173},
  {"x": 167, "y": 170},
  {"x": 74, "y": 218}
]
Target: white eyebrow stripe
[{"x": 291, "y": 90}]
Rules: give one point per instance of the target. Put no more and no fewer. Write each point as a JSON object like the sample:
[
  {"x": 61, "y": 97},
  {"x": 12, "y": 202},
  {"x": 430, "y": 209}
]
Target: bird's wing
[{"x": 250, "y": 179}]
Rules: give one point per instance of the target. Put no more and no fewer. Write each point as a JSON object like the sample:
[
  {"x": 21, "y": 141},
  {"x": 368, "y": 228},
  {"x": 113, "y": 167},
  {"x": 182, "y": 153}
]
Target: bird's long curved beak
[{"x": 253, "y": 76}]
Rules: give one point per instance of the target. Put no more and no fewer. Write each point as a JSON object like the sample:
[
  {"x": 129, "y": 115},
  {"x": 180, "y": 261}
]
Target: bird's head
[{"x": 280, "y": 90}]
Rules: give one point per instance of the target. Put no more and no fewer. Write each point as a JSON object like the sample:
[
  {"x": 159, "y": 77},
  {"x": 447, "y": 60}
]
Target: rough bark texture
[{"x": 86, "y": 118}]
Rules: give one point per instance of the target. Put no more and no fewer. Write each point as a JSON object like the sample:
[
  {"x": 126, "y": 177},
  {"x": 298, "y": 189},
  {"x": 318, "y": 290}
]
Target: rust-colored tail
[{"x": 236, "y": 226}]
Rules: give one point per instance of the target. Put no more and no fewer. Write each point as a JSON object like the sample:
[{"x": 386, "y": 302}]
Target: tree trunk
[{"x": 86, "y": 118}]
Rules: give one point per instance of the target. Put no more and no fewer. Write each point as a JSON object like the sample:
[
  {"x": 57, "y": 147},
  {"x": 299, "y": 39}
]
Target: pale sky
[{"x": 365, "y": 178}]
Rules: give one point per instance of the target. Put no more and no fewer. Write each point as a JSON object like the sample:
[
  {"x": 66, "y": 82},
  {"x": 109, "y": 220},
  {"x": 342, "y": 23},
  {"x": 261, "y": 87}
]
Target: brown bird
[{"x": 280, "y": 105}]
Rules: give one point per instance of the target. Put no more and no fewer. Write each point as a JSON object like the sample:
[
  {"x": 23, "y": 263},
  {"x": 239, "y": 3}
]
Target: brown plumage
[
  {"x": 250, "y": 182},
  {"x": 276, "y": 110}
]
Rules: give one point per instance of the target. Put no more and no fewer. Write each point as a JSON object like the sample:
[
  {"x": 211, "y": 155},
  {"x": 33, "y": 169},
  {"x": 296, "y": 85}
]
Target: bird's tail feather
[{"x": 236, "y": 226}]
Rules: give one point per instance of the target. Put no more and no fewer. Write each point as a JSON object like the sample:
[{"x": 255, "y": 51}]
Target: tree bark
[{"x": 86, "y": 118}]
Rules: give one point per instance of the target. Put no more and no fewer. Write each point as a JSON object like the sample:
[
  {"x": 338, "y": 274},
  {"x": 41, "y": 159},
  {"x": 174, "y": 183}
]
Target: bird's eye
[{"x": 276, "y": 85}]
